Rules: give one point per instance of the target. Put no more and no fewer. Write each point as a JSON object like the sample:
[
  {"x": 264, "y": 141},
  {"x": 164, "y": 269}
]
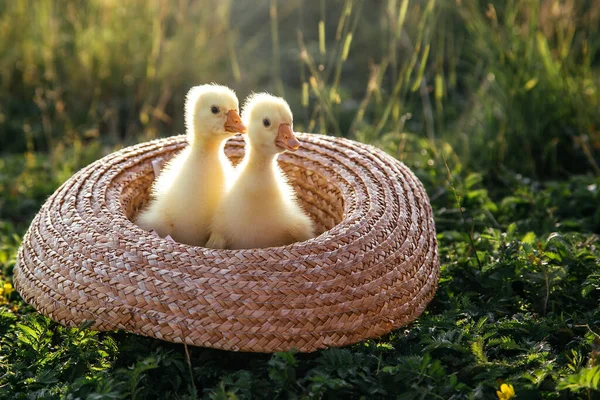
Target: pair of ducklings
[{"x": 200, "y": 199}]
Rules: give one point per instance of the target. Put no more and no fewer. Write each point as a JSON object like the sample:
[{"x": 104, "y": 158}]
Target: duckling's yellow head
[
  {"x": 212, "y": 111},
  {"x": 270, "y": 124}
]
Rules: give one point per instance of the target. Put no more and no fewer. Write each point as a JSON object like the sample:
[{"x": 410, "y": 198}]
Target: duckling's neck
[
  {"x": 260, "y": 165},
  {"x": 207, "y": 147}
]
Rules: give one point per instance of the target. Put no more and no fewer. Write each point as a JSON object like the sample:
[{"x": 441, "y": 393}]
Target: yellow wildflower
[
  {"x": 506, "y": 392},
  {"x": 7, "y": 289}
]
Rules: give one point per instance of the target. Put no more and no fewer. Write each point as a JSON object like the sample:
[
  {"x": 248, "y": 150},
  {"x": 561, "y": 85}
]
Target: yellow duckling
[
  {"x": 189, "y": 189},
  {"x": 260, "y": 209}
]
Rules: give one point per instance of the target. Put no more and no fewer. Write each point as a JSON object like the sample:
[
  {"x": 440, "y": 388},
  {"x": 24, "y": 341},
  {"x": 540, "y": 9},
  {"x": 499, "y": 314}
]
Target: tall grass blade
[
  {"x": 422, "y": 66},
  {"x": 401, "y": 18},
  {"x": 275, "y": 45},
  {"x": 322, "y": 48}
]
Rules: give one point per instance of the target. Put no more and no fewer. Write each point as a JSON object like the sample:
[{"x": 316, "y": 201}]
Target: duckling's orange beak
[
  {"x": 286, "y": 138},
  {"x": 234, "y": 122}
]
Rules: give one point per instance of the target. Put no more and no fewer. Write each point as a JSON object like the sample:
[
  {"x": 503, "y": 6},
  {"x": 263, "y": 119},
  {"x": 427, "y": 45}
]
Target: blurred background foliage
[{"x": 508, "y": 84}]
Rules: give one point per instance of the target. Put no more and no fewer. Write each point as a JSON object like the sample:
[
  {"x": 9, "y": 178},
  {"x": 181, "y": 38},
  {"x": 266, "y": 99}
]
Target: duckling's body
[
  {"x": 184, "y": 198},
  {"x": 260, "y": 210},
  {"x": 191, "y": 186}
]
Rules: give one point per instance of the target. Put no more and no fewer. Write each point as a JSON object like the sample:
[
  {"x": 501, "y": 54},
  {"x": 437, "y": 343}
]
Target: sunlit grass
[{"x": 516, "y": 78}]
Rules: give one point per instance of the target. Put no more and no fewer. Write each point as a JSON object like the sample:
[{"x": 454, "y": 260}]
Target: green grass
[
  {"x": 494, "y": 107},
  {"x": 517, "y": 303}
]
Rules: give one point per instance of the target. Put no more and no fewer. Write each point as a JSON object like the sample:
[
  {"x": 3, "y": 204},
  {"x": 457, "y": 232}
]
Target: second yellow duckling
[{"x": 261, "y": 210}]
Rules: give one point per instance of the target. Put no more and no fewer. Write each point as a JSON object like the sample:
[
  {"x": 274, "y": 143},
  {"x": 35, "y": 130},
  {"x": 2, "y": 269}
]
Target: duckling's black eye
[
  {"x": 266, "y": 122},
  {"x": 214, "y": 109}
]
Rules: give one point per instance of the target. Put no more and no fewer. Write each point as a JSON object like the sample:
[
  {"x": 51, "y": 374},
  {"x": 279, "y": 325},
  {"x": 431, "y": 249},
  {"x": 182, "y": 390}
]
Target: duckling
[
  {"x": 190, "y": 187},
  {"x": 260, "y": 209}
]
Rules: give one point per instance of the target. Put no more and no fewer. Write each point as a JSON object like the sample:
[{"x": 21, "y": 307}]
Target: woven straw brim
[{"x": 373, "y": 268}]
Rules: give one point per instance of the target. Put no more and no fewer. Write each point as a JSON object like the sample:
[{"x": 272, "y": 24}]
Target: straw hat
[{"x": 373, "y": 268}]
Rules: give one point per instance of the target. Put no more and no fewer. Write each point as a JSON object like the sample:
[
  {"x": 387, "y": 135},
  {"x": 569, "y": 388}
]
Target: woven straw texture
[{"x": 373, "y": 268}]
